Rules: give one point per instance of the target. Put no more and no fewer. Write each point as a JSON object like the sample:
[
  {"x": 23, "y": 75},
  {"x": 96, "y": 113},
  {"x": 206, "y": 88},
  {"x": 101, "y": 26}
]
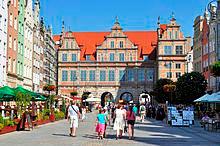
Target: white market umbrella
[{"x": 93, "y": 99}]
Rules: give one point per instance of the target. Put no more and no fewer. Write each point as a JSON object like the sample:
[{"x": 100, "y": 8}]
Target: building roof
[{"x": 88, "y": 41}]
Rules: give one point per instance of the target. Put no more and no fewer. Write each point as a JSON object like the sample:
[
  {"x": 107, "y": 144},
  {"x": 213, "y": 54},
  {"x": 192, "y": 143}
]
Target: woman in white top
[{"x": 119, "y": 121}]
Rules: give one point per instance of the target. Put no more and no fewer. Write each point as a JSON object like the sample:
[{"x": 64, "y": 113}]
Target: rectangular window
[
  {"x": 88, "y": 58},
  {"x": 14, "y": 66},
  {"x": 145, "y": 58},
  {"x": 9, "y": 64},
  {"x": 178, "y": 66},
  {"x": 112, "y": 44},
  {"x": 121, "y": 45},
  {"x": 15, "y": 24},
  {"x": 11, "y": 19},
  {"x": 176, "y": 35},
  {"x": 141, "y": 75},
  {"x": 178, "y": 74},
  {"x": 168, "y": 65},
  {"x": 10, "y": 42},
  {"x": 64, "y": 57},
  {"x": 73, "y": 57},
  {"x": 121, "y": 57},
  {"x": 130, "y": 75},
  {"x": 112, "y": 57},
  {"x": 150, "y": 74},
  {"x": 102, "y": 75},
  {"x": 0, "y": 22},
  {"x": 67, "y": 45},
  {"x": 15, "y": 44},
  {"x": 64, "y": 75},
  {"x": 179, "y": 50},
  {"x": 92, "y": 75},
  {"x": 167, "y": 50},
  {"x": 83, "y": 75},
  {"x": 111, "y": 75},
  {"x": 121, "y": 75},
  {"x": 73, "y": 75},
  {"x": 170, "y": 34},
  {"x": 169, "y": 74}
]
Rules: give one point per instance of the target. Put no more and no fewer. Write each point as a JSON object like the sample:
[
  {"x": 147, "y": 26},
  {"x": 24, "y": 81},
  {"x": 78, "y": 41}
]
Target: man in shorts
[{"x": 73, "y": 117}]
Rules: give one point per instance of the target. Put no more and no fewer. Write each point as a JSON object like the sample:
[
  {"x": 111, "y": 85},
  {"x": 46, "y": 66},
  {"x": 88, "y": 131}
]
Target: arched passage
[
  {"x": 126, "y": 96},
  {"x": 105, "y": 98}
]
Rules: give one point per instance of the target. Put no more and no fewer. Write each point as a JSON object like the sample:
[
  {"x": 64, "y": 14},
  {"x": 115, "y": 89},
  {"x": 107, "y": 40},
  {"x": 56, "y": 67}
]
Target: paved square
[{"x": 150, "y": 133}]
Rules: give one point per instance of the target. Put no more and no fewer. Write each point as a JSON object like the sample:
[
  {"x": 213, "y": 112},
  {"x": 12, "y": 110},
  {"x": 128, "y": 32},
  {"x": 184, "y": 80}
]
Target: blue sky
[{"x": 99, "y": 15}]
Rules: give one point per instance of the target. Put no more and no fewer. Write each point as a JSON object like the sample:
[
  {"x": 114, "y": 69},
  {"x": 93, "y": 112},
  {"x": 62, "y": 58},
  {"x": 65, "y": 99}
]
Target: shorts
[
  {"x": 100, "y": 128},
  {"x": 131, "y": 122},
  {"x": 74, "y": 122}
]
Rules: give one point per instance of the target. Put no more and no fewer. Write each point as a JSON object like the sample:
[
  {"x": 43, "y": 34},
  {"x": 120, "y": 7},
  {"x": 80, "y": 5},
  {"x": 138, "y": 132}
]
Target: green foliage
[
  {"x": 46, "y": 112},
  {"x": 11, "y": 123},
  {"x": 63, "y": 105},
  {"x": 1, "y": 119},
  {"x": 40, "y": 116},
  {"x": 59, "y": 115},
  {"x": 51, "y": 100},
  {"x": 45, "y": 117},
  {"x": 1, "y": 126},
  {"x": 22, "y": 101},
  {"x": 74, "y": 93},
  {"x": 190, "y": 86},
  {"x": 160, "y": 95},
  {"x": 215, "y": 69}
]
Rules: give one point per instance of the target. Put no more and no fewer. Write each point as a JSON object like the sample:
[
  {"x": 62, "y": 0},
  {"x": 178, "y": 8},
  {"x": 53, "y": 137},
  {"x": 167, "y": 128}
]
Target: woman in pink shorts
[{"x": 101, "y": 120}]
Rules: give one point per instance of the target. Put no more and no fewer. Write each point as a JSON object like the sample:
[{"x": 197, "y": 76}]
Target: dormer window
[
  {"x": 145, "y": 58},
  {"x": 87, "y": 57}
]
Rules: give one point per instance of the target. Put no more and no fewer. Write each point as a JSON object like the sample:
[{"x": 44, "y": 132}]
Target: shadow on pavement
[{"x": 61, "y": 135}]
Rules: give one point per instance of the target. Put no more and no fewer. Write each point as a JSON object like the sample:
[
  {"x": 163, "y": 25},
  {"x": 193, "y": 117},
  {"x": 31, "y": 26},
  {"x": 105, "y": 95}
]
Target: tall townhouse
[
  {"x": 38, "y": 45},
  {"x": 28, "y": 43},
  {"x": 115, "y": 64},
  {"x": 172, "y": 51},
  {"x": 50, "y": 59},
  {"x": 3, "y": 40},
  {"x": 197, "y": 44},
  {"x": 12, "y": 43},
  {"x": 212, "y": 54},
  {"x": 20, "y": 53}
]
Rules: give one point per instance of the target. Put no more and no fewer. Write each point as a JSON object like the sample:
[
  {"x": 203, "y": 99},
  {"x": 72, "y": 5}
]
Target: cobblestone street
[{"x": 150, "y": 133}]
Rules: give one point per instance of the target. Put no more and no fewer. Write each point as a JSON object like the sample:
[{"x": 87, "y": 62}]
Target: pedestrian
[
  {"x": 73, "y": 117},
  {"x": 130, "y": 116},
  {"x": 119, "y": 121},
  {"x": 142, "y": 112},
  {"x": 100, "y": 123},
  {"x": 83, "y": 113},
  {"x": 135, "y": 109}
]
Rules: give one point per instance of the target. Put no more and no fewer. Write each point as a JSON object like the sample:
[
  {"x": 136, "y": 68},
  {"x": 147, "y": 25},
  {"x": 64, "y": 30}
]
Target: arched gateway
[
  {"x": 126, "y": 96},
  {"x": 105, "y": 98}
]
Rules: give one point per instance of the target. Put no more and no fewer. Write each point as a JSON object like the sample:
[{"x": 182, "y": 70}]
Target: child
[{"x": 101, "y": 120}]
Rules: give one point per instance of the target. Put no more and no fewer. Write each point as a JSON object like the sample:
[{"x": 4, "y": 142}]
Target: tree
[
  {"x": 190, "y": 86},
  {"x": 215, "y": 69},
  {"x": 22, "y": 101},
  {"x": 74, "y": 93},
  {"x": 161, "y": 95}
]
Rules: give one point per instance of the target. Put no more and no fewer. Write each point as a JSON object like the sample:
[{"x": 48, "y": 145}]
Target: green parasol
[{"x": 6, "y": 93}]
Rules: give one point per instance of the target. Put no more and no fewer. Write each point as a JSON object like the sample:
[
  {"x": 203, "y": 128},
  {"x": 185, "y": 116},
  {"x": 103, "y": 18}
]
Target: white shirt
[{"x": 73, "y": 113}]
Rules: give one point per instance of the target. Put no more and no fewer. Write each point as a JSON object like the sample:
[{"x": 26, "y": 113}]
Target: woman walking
[
  {"x": 119, "y": 121},
  {"x": 100, "y": 123},
  {"x": 130, "y": 116}
]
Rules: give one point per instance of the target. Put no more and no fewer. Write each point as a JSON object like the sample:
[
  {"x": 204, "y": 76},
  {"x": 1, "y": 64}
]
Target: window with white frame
[
  {"x": 11, "y": 19},
  {"x": 10, "y": 42},
  {"x": 15, "y": 45},
  {"x": 9, "y": 64},
  {"x": 121, "y": 44},
  {"x": 111, "y": 75}
]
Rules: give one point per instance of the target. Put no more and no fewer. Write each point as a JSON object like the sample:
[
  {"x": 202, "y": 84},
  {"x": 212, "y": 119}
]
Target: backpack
[{"x": 142, "y": 108}]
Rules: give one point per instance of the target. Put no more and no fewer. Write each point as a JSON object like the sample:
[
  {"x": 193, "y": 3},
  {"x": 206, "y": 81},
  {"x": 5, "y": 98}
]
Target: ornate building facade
[
  {"x": 12, "y": 43},
  {"x": 172, "y": 52},
  {"x": 3, "y": 40},
  {"x": 117, "y": 63},
  {"x": 28, "y": 44}
]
